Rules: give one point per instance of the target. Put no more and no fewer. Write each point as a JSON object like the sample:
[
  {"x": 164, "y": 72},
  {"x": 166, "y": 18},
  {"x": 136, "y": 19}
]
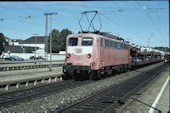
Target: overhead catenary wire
[
  {"x": 109, "y": 19},
  {"x": 121, "y": 26},
  {"x": 7, "y": 18},
  {"x": 121, "y": 10},
  {"x": 21, "y": 21},
  {"x": 159, "y": 21},
  {"x": 155, "y": 26},
  {"x": 30, "y": 16},
  {"x": 59, "y": 13}
]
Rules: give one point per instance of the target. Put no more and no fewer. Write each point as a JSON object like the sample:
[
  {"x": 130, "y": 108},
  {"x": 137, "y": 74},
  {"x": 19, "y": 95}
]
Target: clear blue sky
[{"x": 139, "y": 22}]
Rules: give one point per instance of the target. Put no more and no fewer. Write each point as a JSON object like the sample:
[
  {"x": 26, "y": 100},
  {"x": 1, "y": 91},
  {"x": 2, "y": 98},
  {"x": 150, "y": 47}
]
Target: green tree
[
  {"x": 163, "y": 49},
  {"x": 58, "y": 40},
  {"x": 28, "y": 50},
  {"x": 64, "y": 33},
  {"x": 2, "y": 43}
]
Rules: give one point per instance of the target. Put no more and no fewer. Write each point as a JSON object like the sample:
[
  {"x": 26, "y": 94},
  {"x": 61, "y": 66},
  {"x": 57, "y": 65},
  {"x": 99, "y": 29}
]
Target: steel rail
[
  {"x": 135, "y": 96},
  {"x": 29, "y": 61},
  {"x": 18, "y": 96},
  {"x": 33, "y": 66}
]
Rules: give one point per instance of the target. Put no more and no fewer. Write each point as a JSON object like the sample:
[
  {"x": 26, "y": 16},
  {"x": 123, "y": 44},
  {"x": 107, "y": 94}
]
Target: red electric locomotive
[{"x": 95, "y": 55}]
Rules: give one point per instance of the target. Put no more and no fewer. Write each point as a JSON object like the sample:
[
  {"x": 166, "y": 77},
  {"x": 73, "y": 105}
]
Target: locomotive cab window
[
  {"x": 118, "y": 45},
  {"x": 73, "y": 41},
  {"x": 101, "y": 42},
  {"x": 107, "y": 43},
  {"x": 87, "y": 41}
]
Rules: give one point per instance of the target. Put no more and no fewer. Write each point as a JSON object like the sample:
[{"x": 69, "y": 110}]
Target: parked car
[
  {"x": 33, "y": 57},
  {"x": 13, "y": 57},
  {"x": 36, "y": 58}
]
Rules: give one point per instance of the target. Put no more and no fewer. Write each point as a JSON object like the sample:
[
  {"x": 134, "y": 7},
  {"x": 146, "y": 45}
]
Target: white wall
[
  {"x": 33, "y": 45},
  {"x": 14, "y": 43},
  {"x": 56, "y": 56}
]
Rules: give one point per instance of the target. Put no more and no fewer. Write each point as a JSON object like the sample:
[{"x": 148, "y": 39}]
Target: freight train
[{"x": 94, "y": 55}]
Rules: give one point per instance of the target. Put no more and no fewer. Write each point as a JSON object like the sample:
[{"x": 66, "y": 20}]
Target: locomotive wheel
[
  {"x": 96, "y": 75},
  {"x": 83, "y": 75},
  {"x": 67, "y": 76},
  {"x": 76, "y": 77},
  {"x": 109, "y": 73},
  {"x": 125, "y": 68},
  {"x": 115, "y": 72}
]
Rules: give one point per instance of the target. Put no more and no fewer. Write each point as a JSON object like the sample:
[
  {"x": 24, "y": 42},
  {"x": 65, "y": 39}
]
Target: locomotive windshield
[
  {"x": 73, "y": 41},
  {"x": 87, "y": 41}
]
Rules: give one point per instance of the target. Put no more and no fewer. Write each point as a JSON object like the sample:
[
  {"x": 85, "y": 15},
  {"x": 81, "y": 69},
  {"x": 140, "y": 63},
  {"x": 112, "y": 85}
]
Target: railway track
[
  {"x": 112, "y": 98},
  {"x": 23, "y": 66},
  {"x": 27, "y": 61},
  {"x": 11, "y": 98}
]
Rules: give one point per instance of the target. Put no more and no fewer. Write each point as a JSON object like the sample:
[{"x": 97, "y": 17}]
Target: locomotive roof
[{"x": 106, "y": 34}]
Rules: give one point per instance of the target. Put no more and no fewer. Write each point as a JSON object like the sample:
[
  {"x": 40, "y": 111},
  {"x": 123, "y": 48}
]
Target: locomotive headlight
[
  {"x": 68, "y": 55},
  {"x": 89, "y": 55}
]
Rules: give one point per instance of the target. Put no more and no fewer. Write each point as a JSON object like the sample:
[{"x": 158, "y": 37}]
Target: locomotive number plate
[{"x": 78, "y": 50}]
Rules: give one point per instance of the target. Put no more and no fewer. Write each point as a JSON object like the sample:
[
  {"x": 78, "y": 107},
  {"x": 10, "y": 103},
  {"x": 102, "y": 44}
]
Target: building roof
[
  {"x": 13, "y": 49},
  {"x": 18, "y": 49},
  {"x": 34, "y": 39},
  {"x": 16, "y": 40}
]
